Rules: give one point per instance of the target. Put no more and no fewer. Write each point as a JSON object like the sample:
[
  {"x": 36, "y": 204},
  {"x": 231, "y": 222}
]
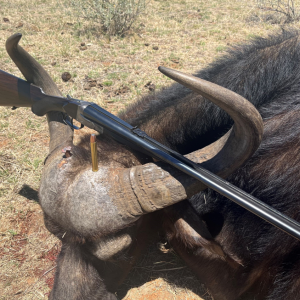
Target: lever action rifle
[{"x": 19, "y": 93}]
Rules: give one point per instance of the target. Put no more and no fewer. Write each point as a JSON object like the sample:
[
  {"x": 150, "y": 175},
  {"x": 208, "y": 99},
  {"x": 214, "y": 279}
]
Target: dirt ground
[{"x": 112, "y": 72}]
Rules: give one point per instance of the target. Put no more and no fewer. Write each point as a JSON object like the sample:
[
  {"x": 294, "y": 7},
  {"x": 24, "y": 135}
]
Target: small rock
[
  {"x": 176, "y": 61},
  {"x": 66, "y": 76},
  {"x": 150, "y": 86},
  {"x": 89, "y": 83},
  {"x": 19, "y": 292},
  {"x": 155, "y": 48},
  {"x": 5, "y": 19},
  {"x": 87, "y": 87},
  {"x": 20, "y": 24},
  {"x": 122, "y": 90},
  {"x": 53, "y": 63},
  {"x": 92, "y": 82},
  {"x": 146, "y": 44},
  {"x": 83, "y": 48}
]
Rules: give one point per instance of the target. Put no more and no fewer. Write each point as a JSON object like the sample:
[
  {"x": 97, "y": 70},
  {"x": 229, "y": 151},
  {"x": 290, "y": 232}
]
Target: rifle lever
[{"x": 69, "y": 122}]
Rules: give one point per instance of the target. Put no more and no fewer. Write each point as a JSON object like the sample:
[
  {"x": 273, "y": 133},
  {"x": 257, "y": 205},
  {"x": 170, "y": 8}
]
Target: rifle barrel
[{"x": 136, "y": 138}]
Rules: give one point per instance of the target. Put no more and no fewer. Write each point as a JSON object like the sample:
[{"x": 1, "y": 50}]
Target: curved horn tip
[
  {"x": 165, "y": 71},
  {"x": 160, "y": 68},
  {"x": 180, "y": 77},
  {"x": 13, "y": 40}
]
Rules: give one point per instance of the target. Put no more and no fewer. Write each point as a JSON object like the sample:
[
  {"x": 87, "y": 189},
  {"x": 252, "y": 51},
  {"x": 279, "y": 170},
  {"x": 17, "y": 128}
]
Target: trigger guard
[{"x": 69, "y": 121}]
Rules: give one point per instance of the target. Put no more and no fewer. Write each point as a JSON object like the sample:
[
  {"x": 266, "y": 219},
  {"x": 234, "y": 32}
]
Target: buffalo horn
[
  {"x": 155, "y": 186},
  {"x": 34, "y": 73}
]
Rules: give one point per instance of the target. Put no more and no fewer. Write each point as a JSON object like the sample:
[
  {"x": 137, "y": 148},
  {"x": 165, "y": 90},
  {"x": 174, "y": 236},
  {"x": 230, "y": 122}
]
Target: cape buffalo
[{"x": 106, "y": 218}]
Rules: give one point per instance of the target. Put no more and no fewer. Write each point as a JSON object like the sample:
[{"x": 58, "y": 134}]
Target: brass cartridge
[{"x": 94, "y": 153}]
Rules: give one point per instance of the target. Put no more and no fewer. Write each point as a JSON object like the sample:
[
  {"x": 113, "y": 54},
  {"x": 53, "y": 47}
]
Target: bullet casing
[{"x": 94, "y": 154}]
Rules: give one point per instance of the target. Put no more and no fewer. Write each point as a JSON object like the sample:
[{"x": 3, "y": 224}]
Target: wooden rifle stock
[{"x": 15, "y": 91}]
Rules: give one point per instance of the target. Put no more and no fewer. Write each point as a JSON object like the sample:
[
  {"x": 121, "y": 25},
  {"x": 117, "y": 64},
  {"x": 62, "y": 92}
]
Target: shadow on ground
[
  {"x": 29, "y": 193},
  {"x": 155, "y": 264}
]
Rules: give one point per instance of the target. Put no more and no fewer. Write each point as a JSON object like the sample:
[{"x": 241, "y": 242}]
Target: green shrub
[{"x": 114, "y": 16}]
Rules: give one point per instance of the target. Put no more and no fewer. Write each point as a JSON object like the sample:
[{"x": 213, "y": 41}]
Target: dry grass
[{"x": 182, "y": 34}]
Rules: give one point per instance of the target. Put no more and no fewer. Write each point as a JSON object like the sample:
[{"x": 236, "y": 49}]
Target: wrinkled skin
[{"x": 237, "y": 255}]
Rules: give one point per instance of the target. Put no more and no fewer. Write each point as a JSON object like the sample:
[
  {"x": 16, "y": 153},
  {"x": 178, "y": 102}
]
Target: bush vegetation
[
  {"x": 284, "y": 7},
  {"x": 114, "y": 16}
]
